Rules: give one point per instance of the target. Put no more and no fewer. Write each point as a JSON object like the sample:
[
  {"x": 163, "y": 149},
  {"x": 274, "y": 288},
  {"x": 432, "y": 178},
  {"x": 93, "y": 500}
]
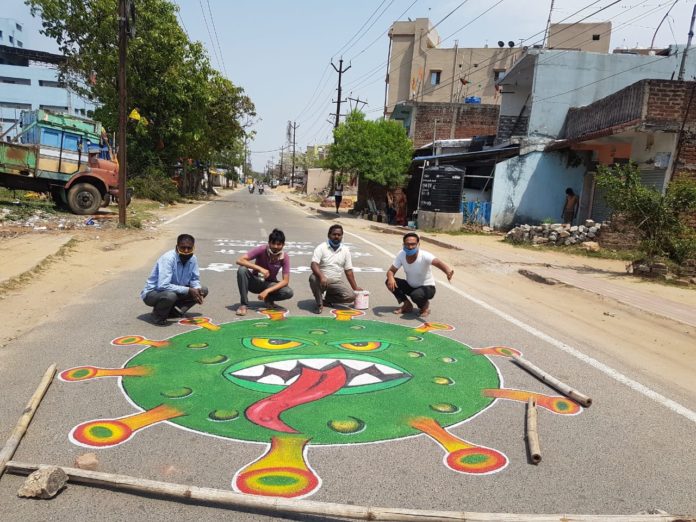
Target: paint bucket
[{"x": 362, "y": 300}]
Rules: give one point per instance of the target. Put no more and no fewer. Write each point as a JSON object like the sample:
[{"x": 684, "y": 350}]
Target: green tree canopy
[
  {"x": 189, "y": 109},
  {"x": 377, "y": 151}
]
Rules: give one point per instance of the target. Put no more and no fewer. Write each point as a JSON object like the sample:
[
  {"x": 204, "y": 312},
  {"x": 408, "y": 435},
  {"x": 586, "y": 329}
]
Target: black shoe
[
  {"x": 174, "y": 313},
  {"x": 183, "y": 310},
  {"x": 160, "y": 321}
]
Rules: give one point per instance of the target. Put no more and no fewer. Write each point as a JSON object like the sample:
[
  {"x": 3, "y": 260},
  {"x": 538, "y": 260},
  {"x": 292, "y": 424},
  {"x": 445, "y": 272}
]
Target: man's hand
[
  {"x": 196, "y": 294},
  {"x": 323, "y": 282},
  {"x": 391, "y": 283},
  {"x": 264, "y": 272},
  {"x": 357, "y": 289},
  {"x": 264, "y": 295},
  {"x": 450, "y": 273}
]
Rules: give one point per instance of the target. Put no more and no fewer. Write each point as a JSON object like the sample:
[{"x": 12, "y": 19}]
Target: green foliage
[
  {"x": 377, "y": 151},
  {"x": 190, "y": 111},
  {"x": 658, "y": 217},
  {"x": 153, "y": 184}
]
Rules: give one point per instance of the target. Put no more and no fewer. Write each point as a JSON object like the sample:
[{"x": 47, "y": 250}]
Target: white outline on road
[
  {"x": 184, "y": 214},
  {"x": 607, "y": 370},
  {"x": 261, "y": 221}
]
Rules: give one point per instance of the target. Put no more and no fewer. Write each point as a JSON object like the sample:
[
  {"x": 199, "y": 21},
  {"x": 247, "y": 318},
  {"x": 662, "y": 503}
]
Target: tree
[
  {"x": 659, "y": 218},
  {"x": 377, "y": 151},
  {"x": 192, "y": 111}
]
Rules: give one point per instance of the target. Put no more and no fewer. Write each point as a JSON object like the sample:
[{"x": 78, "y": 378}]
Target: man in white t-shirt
[
  {"x": 419, "y": 284},
  {"x": 330, "y": 261}
]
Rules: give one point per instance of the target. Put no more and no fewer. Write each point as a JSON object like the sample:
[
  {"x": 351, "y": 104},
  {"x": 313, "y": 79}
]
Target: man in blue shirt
[{"x": 174, "y": 282}]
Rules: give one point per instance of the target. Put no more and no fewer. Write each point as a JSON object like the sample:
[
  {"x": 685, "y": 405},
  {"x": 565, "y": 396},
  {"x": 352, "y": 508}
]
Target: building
[
  {"x": 29, "y": 79},
  {"x": 422, "y": 71},
  {"x": 537, "y": 95}
]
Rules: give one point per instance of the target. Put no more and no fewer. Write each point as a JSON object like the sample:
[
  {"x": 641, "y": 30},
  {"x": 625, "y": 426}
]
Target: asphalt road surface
[{"x": 354, "y": 415}]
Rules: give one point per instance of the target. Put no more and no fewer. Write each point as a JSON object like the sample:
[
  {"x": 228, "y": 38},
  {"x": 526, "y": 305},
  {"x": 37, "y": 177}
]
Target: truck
[{"x": 66, "y": 156}]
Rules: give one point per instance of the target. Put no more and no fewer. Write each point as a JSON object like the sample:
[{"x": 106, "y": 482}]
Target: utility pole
[
  {"x": 688, "y": 44},
  {"x": 454, "y": 69},
  {"x": 282, "y": 149},
  {"x": 548, "y": 26},
  {"x": 386, "y": 78},
  {"x": 340, "y": 72},
  {"x": 122, "y": 109},
  {"x": 292, "y": 126},
  {"x": 357, "y": 101}
]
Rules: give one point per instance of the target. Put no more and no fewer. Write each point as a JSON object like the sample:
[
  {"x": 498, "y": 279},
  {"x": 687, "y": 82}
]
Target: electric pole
[
  {"x": 122, "y": 109},
  {"x": 548, "y": 26},
  {"x": 292, "y": 126},
  {"x": 688, "y": 44},
  {"x": 357, "y": 101},
  {"x": 340, "y": 72},
  {"x": 282, "y": 149}
]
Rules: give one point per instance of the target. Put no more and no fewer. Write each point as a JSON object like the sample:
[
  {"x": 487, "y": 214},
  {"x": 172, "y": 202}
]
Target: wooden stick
[
  {"x": 532, "y": 433},
  {"x": 311, "y": 507},
  {"x": 552, "y": 381},
  {"x": 10, "y": 446}
]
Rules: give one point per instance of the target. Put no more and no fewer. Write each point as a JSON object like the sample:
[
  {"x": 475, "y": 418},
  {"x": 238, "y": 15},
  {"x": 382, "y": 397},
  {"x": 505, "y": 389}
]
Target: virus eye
[
  {"x": 271, "y": 343},
  {"x": 362, "y": 346}
]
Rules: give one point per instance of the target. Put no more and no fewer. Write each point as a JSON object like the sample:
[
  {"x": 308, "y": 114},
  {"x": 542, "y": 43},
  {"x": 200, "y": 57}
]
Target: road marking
[
  {"x": 607, "y": 370},
  {"x": 184, "y": 214},
  {"x": 261, "y": 220}
]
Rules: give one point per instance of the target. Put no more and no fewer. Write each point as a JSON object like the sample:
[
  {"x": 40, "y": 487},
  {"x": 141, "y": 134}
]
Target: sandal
[
  {"x": 242, "y": 310},
  {"x": 319, "y": 309}
]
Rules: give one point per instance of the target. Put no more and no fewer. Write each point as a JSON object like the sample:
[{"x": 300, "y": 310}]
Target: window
[
  {"x": 435, "y": 77},
  {"x": 0, "y": 34},
  {"x": 51, "y": 83},
  {"x": 70, "y": 141},
  {"x": 498, "y": 74},
  {"x": 19, "y": 27},
  {"x": 19, "y": 44},
  {"x": 16, "y": 81},
  {"x": 54, "y": 108},
  {"x": 596, "y": 37},
  {"x": 50, "y": 137},
  {"x": 11, "y": 39},
  {"x": 13, "y": 105}
]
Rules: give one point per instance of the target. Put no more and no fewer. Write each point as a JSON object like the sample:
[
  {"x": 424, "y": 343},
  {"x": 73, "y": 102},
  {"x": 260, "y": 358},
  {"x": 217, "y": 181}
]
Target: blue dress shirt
[{"x": 169, "y": 273}]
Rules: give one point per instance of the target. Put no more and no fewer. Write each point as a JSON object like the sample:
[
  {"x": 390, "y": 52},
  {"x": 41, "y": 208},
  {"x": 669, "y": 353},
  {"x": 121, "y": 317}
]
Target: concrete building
[
  {"x": 537, "y": 94},
  {"x": 29, "y": 79},
  {"x": 422, "y": 71}
]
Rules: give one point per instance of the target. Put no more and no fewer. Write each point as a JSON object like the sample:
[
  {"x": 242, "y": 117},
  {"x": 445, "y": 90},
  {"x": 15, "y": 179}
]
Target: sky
[{"x": 280, "y": 51}]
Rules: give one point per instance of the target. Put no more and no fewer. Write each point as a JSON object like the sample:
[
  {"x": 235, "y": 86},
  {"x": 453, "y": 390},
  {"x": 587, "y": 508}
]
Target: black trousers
[
  {"x": 163, "y": 301},
  {"x": 420, "y": 295},
  {"x": 247, "y": 282}
]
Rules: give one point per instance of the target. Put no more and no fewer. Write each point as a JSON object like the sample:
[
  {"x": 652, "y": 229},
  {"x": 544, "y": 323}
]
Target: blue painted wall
[{"x": 531, "y": 188}]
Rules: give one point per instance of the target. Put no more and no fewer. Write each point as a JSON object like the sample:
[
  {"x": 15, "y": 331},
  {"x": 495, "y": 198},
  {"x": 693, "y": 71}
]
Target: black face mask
[{"x": 185, "y": 258}]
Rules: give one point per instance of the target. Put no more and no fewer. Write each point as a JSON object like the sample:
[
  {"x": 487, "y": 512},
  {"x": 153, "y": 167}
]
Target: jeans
[
  {"x": 246, "y": 281},
  {"x": 420, "y": 295},
  {"x": 162, "y": 301}
]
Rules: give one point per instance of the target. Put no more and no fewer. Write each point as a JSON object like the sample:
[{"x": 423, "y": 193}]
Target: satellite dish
[
  {"x": 501, "y": 43},
  {"x": 511, "y": 44}
]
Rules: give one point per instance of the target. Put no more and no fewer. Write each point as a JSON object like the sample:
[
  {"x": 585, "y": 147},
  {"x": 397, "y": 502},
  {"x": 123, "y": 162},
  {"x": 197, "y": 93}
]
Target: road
[{"x": 632, "y": 450}]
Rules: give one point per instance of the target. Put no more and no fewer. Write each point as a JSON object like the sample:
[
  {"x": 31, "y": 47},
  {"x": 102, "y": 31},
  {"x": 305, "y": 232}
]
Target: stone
[
  {"x": 572, "y": 240},
  {"x": 540, "y": 240},
  {"x": 43, "y": 483},
  {"x": 582, "y": 228},
  {"x": 564, "y": 234},
  {"x": 87, "y": 461},
  {"x": 582, "y": 237},
  {"x": 589, "y": 223},
  {"x": 567, "y": 242},
  {"x": 594, "y": 230},
  {"x": 693, "y": 280},
  {"x": 486, "y": 229},
  {"x": 591, "y": 235},
  {"x": 573, "y": 229},
  {"x": 682, "y": 282},
  {"x": 590, "y": 246},
  {"x": 659, "y": 266}
]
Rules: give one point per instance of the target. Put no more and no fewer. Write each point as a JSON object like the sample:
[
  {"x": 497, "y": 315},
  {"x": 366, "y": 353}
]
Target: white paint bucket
[{"x": 362, "y": 300}]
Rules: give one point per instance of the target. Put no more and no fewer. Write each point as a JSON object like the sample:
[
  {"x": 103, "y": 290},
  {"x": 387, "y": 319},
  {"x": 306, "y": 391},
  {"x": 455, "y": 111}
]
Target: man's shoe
[
  {"x": 160, "y": 321},
  {"x": 184, "y": 309},
  {"x": 175, "y": 313}
]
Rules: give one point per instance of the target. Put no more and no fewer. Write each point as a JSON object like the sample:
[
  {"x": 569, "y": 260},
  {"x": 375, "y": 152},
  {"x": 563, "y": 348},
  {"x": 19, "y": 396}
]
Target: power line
[
  {"x": 361, "y": 27},
  {"x": 178, "y": 12},
  {"x": 210, "y": 35},
  {"x": 212, "y": 20}
]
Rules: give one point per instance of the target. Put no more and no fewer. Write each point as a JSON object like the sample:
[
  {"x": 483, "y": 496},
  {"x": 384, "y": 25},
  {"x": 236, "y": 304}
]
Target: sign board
[{"x": 441, "y": 189}]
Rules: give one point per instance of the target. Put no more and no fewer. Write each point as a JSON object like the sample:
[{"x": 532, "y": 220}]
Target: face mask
[
  {"x": 334, "y": 244},
  {"x": 184, "y": 256},
  {"x": 272, "y": 252},
  {"x": 411, "y": 251}
]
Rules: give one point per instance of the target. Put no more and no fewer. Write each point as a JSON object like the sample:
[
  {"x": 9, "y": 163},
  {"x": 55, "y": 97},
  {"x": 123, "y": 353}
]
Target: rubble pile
[{"x": 557, "y": 234}]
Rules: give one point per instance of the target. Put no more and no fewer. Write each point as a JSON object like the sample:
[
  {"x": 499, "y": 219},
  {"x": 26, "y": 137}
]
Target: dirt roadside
[{"x": 44, "y": 271}]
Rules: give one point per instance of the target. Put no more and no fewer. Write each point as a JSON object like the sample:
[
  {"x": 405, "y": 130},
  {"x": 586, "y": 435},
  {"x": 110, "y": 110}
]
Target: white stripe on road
[
  {"x": 184, "y": 214},
  {"x": 607, "y": 370},
  {"x": 261, "y": 220}
]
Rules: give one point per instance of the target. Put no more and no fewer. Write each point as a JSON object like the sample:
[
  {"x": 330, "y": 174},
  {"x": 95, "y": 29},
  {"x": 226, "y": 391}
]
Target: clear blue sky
[{"x": 279, "y": 51}]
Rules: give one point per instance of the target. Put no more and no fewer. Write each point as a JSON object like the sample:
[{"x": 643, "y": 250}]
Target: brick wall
[
  {"x": 509, "y": 126},
  {"x": 668, "y": 102},
  {"x": 454, "y": 121}
]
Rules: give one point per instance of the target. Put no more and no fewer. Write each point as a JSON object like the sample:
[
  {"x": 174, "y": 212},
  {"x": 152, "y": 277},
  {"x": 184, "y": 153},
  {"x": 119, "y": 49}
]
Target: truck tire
[{"x": 84, "y": 198}]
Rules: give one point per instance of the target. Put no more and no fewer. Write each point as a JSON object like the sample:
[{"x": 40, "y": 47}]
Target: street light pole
[{"x": 122, "y": 110}]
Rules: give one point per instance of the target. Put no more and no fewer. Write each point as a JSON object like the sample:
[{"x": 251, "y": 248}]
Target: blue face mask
[
  {"x": 411, "y": 251},
  {"x": 334, "y": 244}
]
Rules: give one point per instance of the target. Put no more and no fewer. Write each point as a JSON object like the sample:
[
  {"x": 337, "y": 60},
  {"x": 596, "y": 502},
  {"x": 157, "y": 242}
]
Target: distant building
[
  {"x": 421, "y": 71},
  {"x": 29, "y": 79}
]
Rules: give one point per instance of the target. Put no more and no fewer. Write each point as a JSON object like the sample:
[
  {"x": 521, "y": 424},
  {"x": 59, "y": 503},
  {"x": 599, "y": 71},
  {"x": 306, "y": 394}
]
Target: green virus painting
[{"x": 295, "y": 382}]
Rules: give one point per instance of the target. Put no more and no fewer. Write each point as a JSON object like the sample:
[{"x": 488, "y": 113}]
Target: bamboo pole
[
  {"x": 552, "y": 381},
  {"x": 532, "y": 433},
  {"x": 311, "y": 507},
  {"x": 10, "y": 446}
]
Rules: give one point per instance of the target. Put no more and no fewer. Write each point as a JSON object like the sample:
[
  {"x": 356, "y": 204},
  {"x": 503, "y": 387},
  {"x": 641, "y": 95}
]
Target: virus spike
[
  {"x": 203, "y": 322},
  {"x": 429, "y": 327},
  {"x": 462, "y": 456},
  {"x": 346, "y": 315},
  {"x": 84, "y": 373},
  {"x": 103, "y": 433},
  {"x": 128, "y": 340},
  {"x": 498, "y": 351},
  {"x": 553, "y": 403},
  {"x": 274, "y": 314},
  {"x": 281, "y": 472}
]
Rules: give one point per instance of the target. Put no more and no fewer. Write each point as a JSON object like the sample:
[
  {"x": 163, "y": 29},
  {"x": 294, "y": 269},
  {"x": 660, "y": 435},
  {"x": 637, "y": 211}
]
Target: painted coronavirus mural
[{"x": 291, "y": 382}]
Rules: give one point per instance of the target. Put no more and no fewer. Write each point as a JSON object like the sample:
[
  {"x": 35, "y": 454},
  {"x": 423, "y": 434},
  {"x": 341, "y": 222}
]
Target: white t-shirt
[
  {"x": 418, "y": 273},
  {"x": 332, "y": 263}
]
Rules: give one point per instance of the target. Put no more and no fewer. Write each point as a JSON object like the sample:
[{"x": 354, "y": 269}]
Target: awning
[{"x": 496, "y": 153}]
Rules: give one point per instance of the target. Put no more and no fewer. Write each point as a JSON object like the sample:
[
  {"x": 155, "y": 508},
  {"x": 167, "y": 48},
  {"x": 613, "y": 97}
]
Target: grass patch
[
  {"x": 26, "y": 277},
  {"x": 22, "y": 204},
  {"x": 464, "y": 231},
  {"x": 140, "y": 210}
]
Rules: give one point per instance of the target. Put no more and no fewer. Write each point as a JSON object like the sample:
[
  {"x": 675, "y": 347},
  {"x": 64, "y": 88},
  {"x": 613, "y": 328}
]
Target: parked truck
[{"x": 66, "y": 156}]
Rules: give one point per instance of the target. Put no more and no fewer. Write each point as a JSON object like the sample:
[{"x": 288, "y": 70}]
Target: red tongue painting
[{"x": 310, "y": 386}]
